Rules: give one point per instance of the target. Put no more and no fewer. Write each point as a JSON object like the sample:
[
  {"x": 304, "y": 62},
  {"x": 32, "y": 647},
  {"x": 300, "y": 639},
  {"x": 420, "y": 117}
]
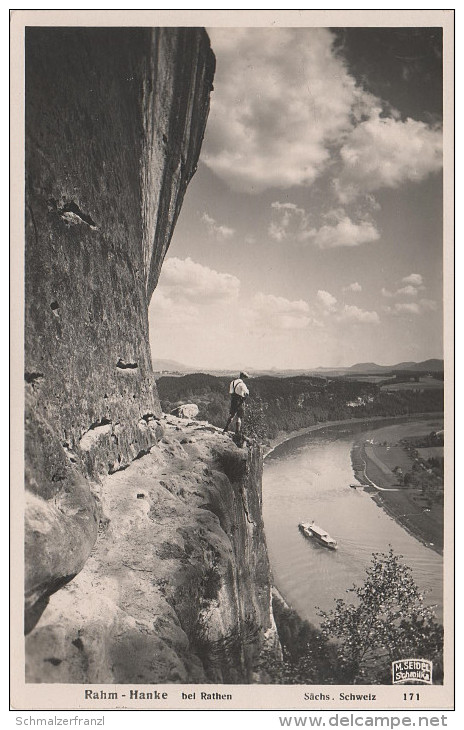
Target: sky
[{"x": 311, "y": 234}]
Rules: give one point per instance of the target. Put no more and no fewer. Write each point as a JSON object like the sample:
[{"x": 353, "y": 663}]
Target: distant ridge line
[
  {"x": 365, "y": 368},
  {"x": 433, "y": 364}
]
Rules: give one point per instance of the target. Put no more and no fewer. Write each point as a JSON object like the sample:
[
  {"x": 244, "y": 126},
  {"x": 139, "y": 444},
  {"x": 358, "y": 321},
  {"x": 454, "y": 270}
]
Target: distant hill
[
  {"x": 372, "y": 367},
  {"x": 367, "y": 367},
  {"x": 171, "y": 366},
  {"x": 409, "y": 365},
  {"x": 432, "y": 365}
]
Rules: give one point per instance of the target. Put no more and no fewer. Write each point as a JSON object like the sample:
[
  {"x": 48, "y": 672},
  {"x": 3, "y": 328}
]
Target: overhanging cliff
[
  {"x": 114, "y": 124},
  {"x": 144, "y": 545}
]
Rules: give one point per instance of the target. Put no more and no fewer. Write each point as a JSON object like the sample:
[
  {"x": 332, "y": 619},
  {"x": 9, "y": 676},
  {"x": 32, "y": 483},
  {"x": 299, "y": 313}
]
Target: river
[{"x": 308, "y": 478}]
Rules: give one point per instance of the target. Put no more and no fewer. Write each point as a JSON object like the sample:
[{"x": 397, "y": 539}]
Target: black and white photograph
[{"x": 233, "y": 371}]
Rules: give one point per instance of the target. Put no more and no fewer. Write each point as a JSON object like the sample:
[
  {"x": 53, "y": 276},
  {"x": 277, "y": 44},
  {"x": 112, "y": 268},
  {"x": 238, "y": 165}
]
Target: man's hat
[{"x": 244, "y": 375}]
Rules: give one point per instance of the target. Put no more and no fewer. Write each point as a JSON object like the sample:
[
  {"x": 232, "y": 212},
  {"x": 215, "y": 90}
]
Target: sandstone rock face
[
  {"x": 145, "y": 552},
  {"x": 114, "y": 124},
  {"x": 188, "y": 410},
  {"x": 177, "y": 588}
]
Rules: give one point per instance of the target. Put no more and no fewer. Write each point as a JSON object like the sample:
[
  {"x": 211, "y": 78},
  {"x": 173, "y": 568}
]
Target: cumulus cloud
[
  {"x": 347, "y": 313},
  {"x": 184, "y": 279},
  {"x": 285, "y": 107},
  {"x": 414, "y": 279},
  {"x": 326, "y": 298},
  {"x": 354, "y": 287},
  {"x": 414, "y": 283},
  {"x": 172, "y": 312},
  {"x": 267, "y": 311},
  {"x": 410, "y": 307},
  {"x": 293, "y": 223},
  {"x": 409, "y": 291},
  {"x": 352, "y": 313},
  {"x": 384, "y": 152},
  {"x": 344, "y": 233},
  {"x": 286, "y": 206},
  {"x": 278, "y": 233},
  {"x": 416, "y": 308},
  {"x": 334, "y": 312},
  {"x": 192, "y": 309},
  {"x": 282, "y": 98},
  {"x": 428, "y": 305},
  {"x": 289, "y": 222},
  {"x": 217, "y": 231}
]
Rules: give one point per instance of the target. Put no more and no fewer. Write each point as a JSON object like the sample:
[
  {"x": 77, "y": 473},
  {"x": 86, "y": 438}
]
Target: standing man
[{"x": 238, "y": 392}]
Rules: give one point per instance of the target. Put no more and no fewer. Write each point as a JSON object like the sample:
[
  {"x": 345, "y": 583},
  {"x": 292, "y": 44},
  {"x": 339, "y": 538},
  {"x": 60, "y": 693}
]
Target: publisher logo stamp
[{"x": 412, "y": 670}]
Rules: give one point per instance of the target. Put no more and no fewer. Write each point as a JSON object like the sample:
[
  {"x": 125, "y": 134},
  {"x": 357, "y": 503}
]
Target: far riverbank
[
  {"x": 404, "y": 504},
  {"x": 425, "y": 527},
  {"x": 287, "y": 436}
]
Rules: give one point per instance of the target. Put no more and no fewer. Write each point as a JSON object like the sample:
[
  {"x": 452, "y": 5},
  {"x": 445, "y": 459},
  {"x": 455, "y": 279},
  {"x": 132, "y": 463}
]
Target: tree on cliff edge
[{"x": 389, "y": 621}]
